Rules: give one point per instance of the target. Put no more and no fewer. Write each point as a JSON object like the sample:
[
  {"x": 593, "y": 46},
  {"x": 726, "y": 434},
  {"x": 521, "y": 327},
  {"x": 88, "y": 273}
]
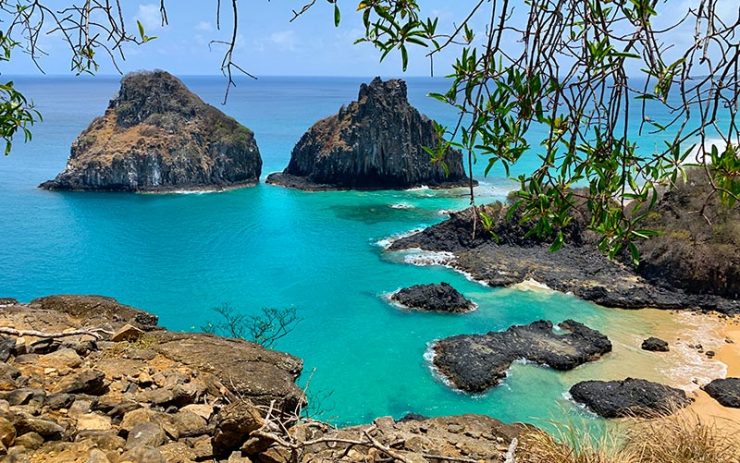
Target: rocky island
[
  {"x": 433, "y": 298},
  {"x": 156, "y": 135},
  {"x": 474, "y": 363},
  {"x": 377, "y": 142}
]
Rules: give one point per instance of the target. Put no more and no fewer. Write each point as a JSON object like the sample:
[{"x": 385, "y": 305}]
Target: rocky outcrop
[
  {"x": 654, "y": 344},
  {"x": 153, "y": 395},
  {"x": 629, "y": 398},
  {"x": 578, "y": 267},
  {"x": 726, "y": 391},
  {"x": 156, "y": 135},
  {"x": 474, "y": 363},
  {"x": 377, "y": 142},
  {"x": 159, "y": 396},
  {"x": 434, "y": 298}
]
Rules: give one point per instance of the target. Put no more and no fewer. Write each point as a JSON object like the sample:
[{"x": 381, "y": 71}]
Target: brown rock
[
  {"x": 7, "y": 432},
  {"x": 60, "y": 359},
  {"x": 145, "y": 435},
  {"x": 48, "y": 429},
  {"x": 104, "y": 440},
  {"x": 86, "y": 381},
  {"x": 188, "y": 424},
  {"x": 97, "y": 456},
  {"x": 128, "y": 333},
  {"x": 203, "y": 410},
  {"x": 142, "y": 455},
  {"x": 93, "y": 422},
  {"x": 29, "y": 440},
  {"x": 234, "y": 423}
]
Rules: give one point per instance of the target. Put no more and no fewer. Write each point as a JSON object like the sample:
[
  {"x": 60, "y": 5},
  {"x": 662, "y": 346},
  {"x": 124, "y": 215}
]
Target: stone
[
  {"x": 156, "y": 135},
  {"x": 377, "y": 142},
  {"x": 202, "y": 447},
  {"x": 435, "y": 297},
  {"x": 85, "y": 381},
  {"x": 46, "y": 428},
  {"x": 188, "y": 424},
  {"x": 128, "y": 333},
  {"x": 725, "y": 391},
  {"x": 59, "y": 400},
  {"x": 7, "y": 432},
  {"x": 97, "y": 456},
  {"x": 29, "y": 440},
  {"x": 7, "y": 348},
  {"x": 474, "y": 363},
  {"x": 142, "y": 455},
  {"x": 629, "y": 398},
  {"x": 106, "y": 440},
  {"x": 234, "y": 422},
  {"x": 138, "y": 416},
  {"x": 205, "y": 411},
  {"x": 654, "y": 344},
  {"x": 145, "y": 435},
  {"x": 93, "y": 422}
]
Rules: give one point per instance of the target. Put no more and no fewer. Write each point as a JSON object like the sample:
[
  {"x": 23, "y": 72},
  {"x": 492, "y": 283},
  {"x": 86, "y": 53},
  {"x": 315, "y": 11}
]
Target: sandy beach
[{"x": 728, "y": 353}]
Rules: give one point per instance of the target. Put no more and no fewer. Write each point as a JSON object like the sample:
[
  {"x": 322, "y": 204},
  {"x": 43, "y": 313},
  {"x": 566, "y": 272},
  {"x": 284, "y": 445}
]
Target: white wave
[
  {"x": 402, "y": 206},
  {"x": 422, "y": 258},
  {"x": 385, "y": 243},
  {"x": 695, "y": 369}
]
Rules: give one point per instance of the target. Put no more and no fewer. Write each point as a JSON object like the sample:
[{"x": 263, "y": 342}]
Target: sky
[{"x": 270, "y": 44}]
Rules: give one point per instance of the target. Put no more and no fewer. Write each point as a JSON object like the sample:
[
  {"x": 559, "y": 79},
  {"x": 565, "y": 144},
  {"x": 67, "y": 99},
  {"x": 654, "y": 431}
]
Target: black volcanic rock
[
  {"x": 156, "y": 135},
  {"x": 435, "y": 298},
  {"x": 654, "y": 344},
  {"x": 725, "y": 391},
  {"x": 630, "y": 397},
  {"x": 474, "y": 363},
  {"x": 377, "y": 142}
]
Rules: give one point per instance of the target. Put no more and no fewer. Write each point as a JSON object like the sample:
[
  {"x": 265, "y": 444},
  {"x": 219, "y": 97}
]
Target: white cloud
[
  {"x": 150, "y": 16},
  {"x": 204, "y": 26},
  {"x": 285, "y": 40}
]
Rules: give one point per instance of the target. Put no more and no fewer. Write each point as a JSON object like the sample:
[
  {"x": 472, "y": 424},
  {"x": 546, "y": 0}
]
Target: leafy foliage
[
  {"x": 16, "y": 113},
  {"x": 569, "y": 75}
]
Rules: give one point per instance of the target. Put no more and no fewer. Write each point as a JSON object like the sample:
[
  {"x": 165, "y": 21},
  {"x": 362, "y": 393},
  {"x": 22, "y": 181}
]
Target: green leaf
[{"x": 337, "y": 15}]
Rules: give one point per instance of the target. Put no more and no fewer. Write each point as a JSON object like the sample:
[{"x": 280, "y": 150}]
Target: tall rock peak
[
  {"x": 376, "y": 142},
  {"x": 156, "y": 135}
]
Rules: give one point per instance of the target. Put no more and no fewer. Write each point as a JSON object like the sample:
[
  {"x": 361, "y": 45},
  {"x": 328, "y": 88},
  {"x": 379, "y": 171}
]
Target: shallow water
[{"x": 180, "y": 255}]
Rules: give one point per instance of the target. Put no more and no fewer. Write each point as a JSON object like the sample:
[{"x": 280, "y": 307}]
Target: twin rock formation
[{"x": 156, "y": 135}]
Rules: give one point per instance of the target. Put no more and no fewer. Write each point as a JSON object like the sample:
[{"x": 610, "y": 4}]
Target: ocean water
[{"x": 180, "y": 255}]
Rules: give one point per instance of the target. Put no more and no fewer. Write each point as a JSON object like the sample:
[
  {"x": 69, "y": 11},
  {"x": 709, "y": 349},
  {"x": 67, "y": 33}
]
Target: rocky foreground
[
  {"x": 376, "y": 142},
  {"x": 666, "y": 278},
  {"x": 474, "y": 363},
  {"x": 110, "y": 386},
  {"x": 156, "y": 135}
]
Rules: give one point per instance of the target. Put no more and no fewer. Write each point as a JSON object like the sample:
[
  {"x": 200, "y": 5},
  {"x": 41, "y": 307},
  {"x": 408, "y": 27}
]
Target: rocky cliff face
[
  {"x": 374, "y": 143},
  {"x": 157, "y": 135}
]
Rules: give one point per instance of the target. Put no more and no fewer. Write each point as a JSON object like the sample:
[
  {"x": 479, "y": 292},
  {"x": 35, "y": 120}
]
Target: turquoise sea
[{"x": 179, "y": 255}]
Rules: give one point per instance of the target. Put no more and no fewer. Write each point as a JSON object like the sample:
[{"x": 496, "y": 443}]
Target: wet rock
[
  {"x": 435, "y": 297},
  {"x": 474, "y": 363},
  {"x": 145, "y": 435},
  {"x": 725, "y": 391},
  {"x": 654, "y": 344},
  {"x": 630, "y": 397},
  {"x": 157, "y": 135},
  {"x": 377, "y": 142}
]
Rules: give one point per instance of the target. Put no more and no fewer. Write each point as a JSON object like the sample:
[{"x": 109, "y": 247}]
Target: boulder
[
  {"x": 435, "y": 298},
  {"x": 654, "y": 344},
  {"x": 145, "y": 435},
  {"x": 156, "y": 135},
  {"x": 377, "y": 142},
  {"x": 474, "y": 363},
  {"x": 234, "y": 423},
  {"x": 127, "y": 333},
  {"x": 7, "y": 432},
  {"x": 85, "y": 381},
  {"x": 725, "y": 391},
  {"x": 629, "y": 398}
]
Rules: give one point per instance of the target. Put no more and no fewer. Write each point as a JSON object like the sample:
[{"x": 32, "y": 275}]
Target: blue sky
[{"x": 269, "y": 44}]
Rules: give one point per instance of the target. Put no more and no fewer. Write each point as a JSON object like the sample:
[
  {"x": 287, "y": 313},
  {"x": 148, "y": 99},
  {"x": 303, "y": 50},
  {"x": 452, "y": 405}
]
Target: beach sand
[{"x": 728, "y": 353}]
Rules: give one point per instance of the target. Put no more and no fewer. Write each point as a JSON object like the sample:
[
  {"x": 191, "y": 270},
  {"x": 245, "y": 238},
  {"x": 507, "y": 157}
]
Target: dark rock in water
[
  {"x": 437, "y": 298},
  {"x": 156, "y": 135},
  {"x": 654, "y": 344},
  {"x": 377, "y": 142},
  {"x": 474, "y": 363},
  {"x": 578, "y": 267},
  {"x": 725, "y": 391},
  {"x": 630, "y": 397}
]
